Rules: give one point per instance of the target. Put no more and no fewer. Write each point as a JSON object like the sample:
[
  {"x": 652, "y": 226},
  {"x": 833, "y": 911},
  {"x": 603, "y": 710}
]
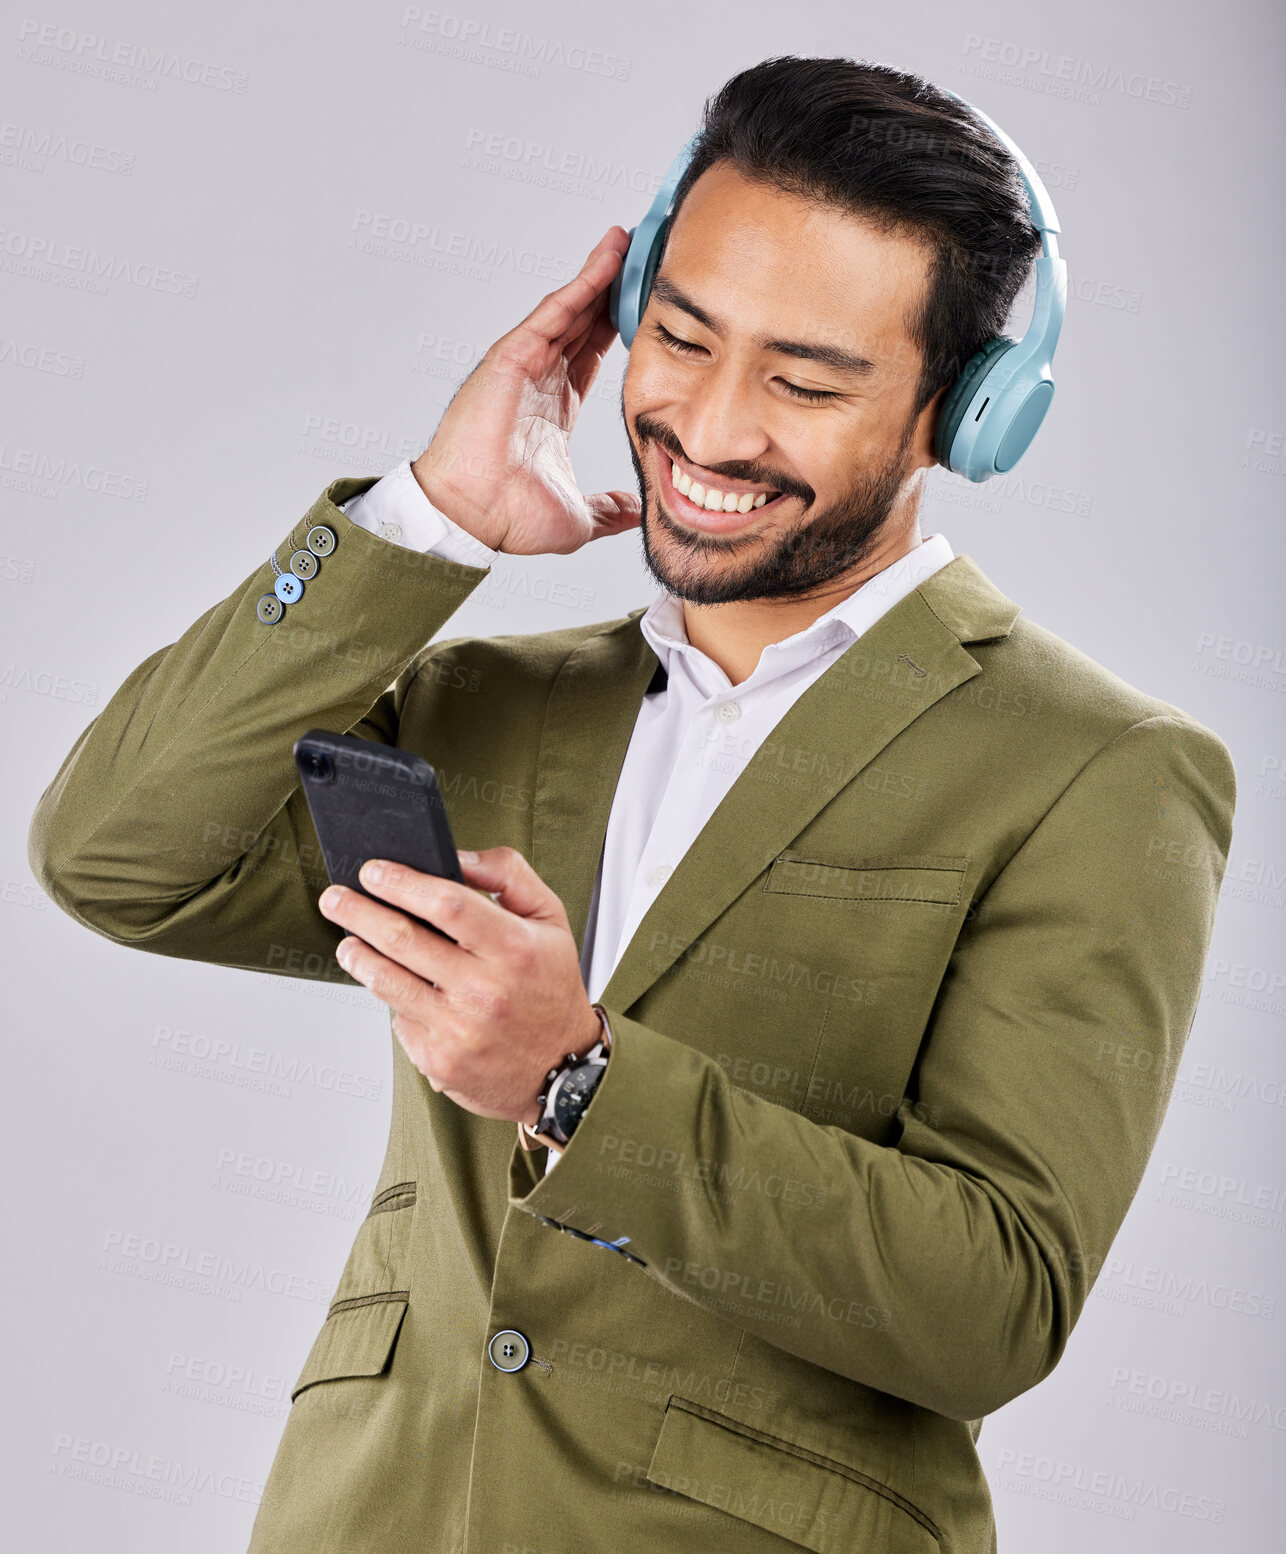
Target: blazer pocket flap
[
  {"x": 802, "y": 1497},
  {"x": 918, "y": 877},
  {"x": 356, "y": 1339}
]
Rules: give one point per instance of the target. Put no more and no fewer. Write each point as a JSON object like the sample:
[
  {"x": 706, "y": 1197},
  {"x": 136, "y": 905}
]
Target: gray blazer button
[
  {"x": 320, "y": 540},
  {"x": 508, "y": 1350},
  {"x": 304, "y": 564},
  {"x": 269, "y": 609}
]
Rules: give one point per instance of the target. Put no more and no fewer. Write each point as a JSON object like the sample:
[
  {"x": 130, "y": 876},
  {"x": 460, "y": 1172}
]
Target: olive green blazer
[{"x": 892, "y": 1048}]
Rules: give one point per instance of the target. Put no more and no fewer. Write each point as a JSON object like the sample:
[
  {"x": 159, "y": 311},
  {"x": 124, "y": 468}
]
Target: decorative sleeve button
[{"x": 304, "y": 565}]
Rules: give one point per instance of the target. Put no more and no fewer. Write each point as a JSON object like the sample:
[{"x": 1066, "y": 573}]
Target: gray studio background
[{"x": 249, "y": 175}]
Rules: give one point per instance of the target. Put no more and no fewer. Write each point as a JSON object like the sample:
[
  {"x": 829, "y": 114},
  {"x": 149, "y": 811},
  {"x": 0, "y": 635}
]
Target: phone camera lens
[{"x": 318, "y": 766}]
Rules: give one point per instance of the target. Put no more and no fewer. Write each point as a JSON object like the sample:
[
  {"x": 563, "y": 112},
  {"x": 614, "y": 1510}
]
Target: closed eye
[
  {"x": 686, "y": 346},
  {"x": 690, "y": 348}
]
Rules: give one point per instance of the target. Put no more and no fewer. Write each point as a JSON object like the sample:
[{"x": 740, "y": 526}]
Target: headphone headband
[{"x": 1039, "y": 205}]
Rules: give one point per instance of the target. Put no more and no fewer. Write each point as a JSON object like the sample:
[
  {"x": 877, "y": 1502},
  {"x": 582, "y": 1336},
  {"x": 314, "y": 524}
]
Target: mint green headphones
[{"x": 995, "y": 407}]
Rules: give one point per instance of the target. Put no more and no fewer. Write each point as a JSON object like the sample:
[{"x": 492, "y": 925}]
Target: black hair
[{"x": 895, "y": 149}]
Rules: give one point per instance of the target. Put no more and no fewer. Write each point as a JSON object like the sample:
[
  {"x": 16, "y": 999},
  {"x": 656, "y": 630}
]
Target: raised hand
[{"x": 499, "y": 463}]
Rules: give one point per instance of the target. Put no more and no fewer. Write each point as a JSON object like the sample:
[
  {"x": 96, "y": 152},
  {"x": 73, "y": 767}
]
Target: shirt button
[
  {"x": 660, "y": 874},
  {"x": 391, "y": 531},
  {"x": 269, "y": 609},
  {"x": 288, "y": 588},
  {"x": 304, "y": 564},
  {"x": 729, "y": 711},
  {"x": 320, "y": 540},
  {"x": 508, "y": 1350}
]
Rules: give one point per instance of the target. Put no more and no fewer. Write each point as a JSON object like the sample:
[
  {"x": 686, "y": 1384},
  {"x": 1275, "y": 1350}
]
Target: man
[{"x": 865, "y": 871}]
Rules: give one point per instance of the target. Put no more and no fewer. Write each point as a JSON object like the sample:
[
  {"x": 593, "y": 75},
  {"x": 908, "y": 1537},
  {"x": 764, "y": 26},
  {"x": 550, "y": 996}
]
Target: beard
[{"x": 724, "y": 569}]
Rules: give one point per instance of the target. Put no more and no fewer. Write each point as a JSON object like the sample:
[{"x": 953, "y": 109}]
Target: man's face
[{"x": 717, "y": 383}]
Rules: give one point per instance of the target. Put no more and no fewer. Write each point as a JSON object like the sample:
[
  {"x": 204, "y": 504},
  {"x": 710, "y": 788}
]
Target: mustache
[{"x": 648, "y": 429}]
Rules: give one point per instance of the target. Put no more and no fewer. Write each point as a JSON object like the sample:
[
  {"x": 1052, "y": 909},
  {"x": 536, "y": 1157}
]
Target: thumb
[
  {"x": 511, "y": 882},
  {"x": 613, "y": 512}
]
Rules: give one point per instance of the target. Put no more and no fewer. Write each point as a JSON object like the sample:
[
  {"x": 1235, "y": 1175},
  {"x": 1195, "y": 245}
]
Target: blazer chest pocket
[
  {"x": 904, "y": 878},
  {"x": 867, "y": 938},
  {"x": 786, "y": 1489},
  {"x": 365, "y": 1316}
]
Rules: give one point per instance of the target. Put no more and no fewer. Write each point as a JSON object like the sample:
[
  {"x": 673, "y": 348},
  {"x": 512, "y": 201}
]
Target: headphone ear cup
[
  {"x": 652, "y": 264},
  {"x": 962, "y": 391},
  {"x": 629, "y": 291},
  {"x": 614, "y": 293}
]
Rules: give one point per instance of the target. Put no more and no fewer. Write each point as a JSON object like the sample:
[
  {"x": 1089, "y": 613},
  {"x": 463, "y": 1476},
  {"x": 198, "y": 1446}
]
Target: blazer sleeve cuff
[{"x": 630, "y": 1157}]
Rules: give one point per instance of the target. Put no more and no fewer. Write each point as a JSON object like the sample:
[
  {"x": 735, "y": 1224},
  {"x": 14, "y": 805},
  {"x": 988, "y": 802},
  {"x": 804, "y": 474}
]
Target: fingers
[
  {"x": 499, "y": 885},
  {"x": 419, "y": 1043},
  {"x": 469, "y": 917},
  {"x": 569, "y": 349},
  {"x": 618, "y": 244},
  {"x": 399, "y": 935},
  {"x": 388, "y": 979},
  {"x": 571, "y": 344},
  {"x": 585, "y": 357},
  {"x": 571, "y": 337},
  {"x": 417, "y": 1039},
  {"x": 563, "y": 312}
]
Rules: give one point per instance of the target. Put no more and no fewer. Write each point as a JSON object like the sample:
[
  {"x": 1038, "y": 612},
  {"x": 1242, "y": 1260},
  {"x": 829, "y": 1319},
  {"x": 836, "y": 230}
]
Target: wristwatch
[{"x": 567, "y": 1091}]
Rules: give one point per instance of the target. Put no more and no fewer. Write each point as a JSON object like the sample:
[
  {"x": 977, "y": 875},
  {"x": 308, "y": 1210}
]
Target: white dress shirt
[{"x": 690, "y": 740}]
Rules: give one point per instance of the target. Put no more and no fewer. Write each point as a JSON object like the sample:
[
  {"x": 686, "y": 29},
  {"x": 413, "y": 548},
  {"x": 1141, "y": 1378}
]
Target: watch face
[{"x": 574, "y": 1094}]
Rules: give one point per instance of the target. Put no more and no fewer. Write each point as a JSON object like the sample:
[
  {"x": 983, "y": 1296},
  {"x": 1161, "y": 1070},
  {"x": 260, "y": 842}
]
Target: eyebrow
[{"x": 828, "y": 355}]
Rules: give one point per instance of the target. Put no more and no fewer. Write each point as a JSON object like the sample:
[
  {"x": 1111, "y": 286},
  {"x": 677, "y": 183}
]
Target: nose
[{"x": 717, "y": 421}]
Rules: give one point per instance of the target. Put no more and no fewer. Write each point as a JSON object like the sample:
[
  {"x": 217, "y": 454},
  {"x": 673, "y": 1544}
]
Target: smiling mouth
[{"x": 711, "y": 507}]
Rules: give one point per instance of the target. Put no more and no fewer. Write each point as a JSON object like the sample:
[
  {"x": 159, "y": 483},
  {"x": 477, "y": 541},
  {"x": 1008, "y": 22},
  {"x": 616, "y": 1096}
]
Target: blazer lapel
[{"x": 908, "y": 660}]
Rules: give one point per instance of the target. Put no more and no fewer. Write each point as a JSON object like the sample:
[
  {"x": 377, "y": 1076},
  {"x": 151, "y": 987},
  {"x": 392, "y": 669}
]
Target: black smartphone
[{"x": 374, "y": 801}]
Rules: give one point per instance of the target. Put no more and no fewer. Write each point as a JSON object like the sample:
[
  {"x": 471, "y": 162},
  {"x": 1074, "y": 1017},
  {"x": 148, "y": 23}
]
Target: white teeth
[{"x": 712, "y": 500}]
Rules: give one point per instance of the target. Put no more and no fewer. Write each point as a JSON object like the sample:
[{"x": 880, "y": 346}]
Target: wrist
[
  {"x": 595, "y": 1029},
  {"x": 537, "y": 1126},
  {"x": 447, "y": 501}
]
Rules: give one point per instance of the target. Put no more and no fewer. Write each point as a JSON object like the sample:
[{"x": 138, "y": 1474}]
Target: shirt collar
[{"x": 662, "y": 622}]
